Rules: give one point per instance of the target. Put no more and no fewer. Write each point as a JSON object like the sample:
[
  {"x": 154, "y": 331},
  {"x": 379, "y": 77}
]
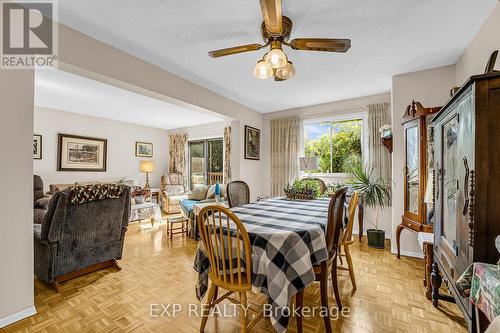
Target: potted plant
[
  {"x": 139, "y": 194},
  {"x": 374, "y": 193},
  {"x": 302, "y": 189}
]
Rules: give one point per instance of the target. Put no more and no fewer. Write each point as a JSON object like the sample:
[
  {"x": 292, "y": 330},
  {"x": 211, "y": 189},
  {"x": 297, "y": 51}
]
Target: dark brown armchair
[{"x": 77, "y": 238}]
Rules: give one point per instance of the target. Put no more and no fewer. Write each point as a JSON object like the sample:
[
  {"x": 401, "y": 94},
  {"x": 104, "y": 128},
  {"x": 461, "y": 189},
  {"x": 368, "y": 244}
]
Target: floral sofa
[{"x": 172, "y": 192}]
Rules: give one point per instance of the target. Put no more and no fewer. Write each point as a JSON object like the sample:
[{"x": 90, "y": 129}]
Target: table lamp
[
  {"x": 309, "y": 164},
  {"x": 147, "y": 167}
]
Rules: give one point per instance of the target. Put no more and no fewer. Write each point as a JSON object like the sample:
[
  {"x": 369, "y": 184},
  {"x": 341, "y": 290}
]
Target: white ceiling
[
  {"x": 388, "y": 37},
  {"x": 64, "y": 91}
]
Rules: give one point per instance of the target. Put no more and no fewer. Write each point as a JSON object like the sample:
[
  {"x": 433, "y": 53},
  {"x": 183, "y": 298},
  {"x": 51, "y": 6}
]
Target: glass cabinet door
[
  {"x": 412, "y": 169},
  {"x": 450, "y": 182}
]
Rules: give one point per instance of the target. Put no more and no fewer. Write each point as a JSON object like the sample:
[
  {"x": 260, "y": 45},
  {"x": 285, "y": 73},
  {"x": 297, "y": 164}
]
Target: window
[
  {"x": 337, "y": 142},
  {"x": 205, "y": 162}
]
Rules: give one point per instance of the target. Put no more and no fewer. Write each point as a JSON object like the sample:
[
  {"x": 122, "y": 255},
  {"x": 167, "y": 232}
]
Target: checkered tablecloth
[{"x": 288, "y": 238}]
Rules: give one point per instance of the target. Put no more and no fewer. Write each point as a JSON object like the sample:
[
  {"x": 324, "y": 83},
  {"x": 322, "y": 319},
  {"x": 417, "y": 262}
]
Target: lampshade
[
  {"x": 309, "y": 163},
  {"x": 286, "y": 71},
  {"x": 276, "y": 58},
  {"x": 428, "y": 189},
  {"x": 147, "y": 166},
  {"x": 262, "y": 70}
]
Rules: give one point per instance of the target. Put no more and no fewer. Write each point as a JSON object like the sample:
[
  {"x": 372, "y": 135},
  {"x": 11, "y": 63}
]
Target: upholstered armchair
[
  {"x": 41, "y": 200},
  {"x": 172, "y": 192},
  {"x": 79, "y": 237}
]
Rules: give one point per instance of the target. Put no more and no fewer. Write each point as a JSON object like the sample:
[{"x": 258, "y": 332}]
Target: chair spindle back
[
  {"x": 351, "y": 210},
  {"x": 227, "y": 246}
]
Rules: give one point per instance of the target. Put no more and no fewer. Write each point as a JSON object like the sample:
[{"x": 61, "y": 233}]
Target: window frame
[
  {"x": 205, "y": 142},
  {"x": 359, "y": 115}
]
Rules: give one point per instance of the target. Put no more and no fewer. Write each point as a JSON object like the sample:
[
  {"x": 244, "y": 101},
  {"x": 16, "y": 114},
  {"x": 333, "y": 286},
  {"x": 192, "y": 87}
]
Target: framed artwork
[
  {"x": 143, "y": 149},
  {"x": 80, "y": 153},
  {"x": 37, "y": 147},
  {"x": 252, "y": 143}
]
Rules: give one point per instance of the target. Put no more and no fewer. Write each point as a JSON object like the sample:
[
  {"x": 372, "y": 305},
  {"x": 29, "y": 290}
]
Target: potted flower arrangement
[
  {"x": 139, "y": 194},
  {"x": 375, "y": 193},
  {"x": 302, "y": 189}
]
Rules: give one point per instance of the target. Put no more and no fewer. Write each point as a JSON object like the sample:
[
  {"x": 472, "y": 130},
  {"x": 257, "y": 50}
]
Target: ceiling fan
[{"x": 276, "y": 30}]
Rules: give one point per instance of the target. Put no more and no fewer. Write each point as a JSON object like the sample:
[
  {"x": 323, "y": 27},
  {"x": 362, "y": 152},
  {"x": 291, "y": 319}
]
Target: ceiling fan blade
[
  {"x": 321, "y": 44},
  {"x": 271, "y": 12},
  {"x": 234, "y": 50}
]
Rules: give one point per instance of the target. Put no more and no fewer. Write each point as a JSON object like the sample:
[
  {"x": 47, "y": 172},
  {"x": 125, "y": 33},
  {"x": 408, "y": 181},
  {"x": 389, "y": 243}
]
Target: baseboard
[
  {"x": 409, "y": 253},
  {"x": 17, "y": 316}
]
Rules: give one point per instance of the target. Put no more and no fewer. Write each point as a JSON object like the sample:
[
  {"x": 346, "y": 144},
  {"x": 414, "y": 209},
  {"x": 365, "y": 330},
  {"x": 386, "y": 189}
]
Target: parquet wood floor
[{"x": 390, "y": 295}]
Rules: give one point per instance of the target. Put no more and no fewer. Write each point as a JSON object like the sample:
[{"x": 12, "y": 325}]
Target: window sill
[{"x": 326, "y": 175}]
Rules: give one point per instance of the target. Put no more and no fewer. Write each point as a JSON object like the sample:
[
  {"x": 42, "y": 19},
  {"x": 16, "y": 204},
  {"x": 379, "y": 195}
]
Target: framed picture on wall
[
  {"x": 37, "y": 147},
  {"x": 81, "y": 153},
  {"x": 143, "y": 149},
  {"x": 252, "y": 143}
]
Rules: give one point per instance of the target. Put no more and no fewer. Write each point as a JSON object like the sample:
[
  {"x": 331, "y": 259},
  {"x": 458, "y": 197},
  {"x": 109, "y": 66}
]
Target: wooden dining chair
[
  {"x": 328, "y": 267},
  {"x": 238, "y": 193},
  {"x": 347, "y": 238},
  {"x": 229, "y": 253}
]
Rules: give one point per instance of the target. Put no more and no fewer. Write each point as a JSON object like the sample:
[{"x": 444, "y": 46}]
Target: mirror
[
  {"x": 450, "y": 181},
  {"x": 412, "y": 177}
]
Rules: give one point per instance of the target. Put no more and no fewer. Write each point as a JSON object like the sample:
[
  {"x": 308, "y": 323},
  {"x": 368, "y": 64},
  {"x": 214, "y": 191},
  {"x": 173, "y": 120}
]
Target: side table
[{"x": 144, "y": 211}]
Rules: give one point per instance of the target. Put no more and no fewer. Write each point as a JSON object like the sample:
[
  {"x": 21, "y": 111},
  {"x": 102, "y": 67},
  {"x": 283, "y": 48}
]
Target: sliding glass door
[{"x": 205, "y": 162}]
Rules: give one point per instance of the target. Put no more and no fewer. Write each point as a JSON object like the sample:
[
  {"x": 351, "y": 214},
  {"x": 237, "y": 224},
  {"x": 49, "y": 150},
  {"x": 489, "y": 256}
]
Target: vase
[
  {"x": 376, "y": 238},
  {"x": 139, "y": 199}
]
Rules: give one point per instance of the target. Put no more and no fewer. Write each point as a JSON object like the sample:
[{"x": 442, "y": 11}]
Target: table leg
[{"x": 398, "y": 236}]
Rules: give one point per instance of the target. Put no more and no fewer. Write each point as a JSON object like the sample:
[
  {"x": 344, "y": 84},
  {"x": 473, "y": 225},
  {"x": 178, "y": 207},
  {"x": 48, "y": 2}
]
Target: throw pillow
[
  {"x": 199, "y": 192},
  {"x": 43, "y": 203},
  {"x": 211, "y": 191}
]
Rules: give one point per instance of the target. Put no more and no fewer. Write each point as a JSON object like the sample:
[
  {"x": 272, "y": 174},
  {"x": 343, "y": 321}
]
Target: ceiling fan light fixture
[
  {"x": 286, "y": 72},
  {"x": 276, "y": 58},
  {"x": 262, "y": 70}
]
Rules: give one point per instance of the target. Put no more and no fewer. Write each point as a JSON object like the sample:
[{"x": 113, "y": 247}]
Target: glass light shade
[
  {"x": 147, "y": 166},
  {"x": 276, "y": 58},
  {"x": 286, "y": 71},
  {"x": 262, "y": 70}
]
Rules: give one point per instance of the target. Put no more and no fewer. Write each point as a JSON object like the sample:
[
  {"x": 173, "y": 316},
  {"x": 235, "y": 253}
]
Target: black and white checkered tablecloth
[{"x": 288, "y": 238}]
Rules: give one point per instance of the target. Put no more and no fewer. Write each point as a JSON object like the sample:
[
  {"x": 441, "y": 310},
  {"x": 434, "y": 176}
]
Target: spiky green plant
[{"x": 375, "y": 193}]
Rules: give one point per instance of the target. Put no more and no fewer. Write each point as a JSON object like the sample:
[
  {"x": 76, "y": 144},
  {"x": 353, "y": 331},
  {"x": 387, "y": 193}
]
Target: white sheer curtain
[
  {"x": 380, "y": 158},
  {"x": 227, "y": 154},
  {"x": 286, "y": 147}
]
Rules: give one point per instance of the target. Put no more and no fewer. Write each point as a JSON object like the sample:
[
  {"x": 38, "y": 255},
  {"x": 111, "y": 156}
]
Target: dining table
[{"x": 287, "y": 238}]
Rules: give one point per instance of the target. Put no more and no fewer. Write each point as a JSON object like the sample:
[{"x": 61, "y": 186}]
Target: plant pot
[
  {"x": 376, "y": 238},
  {"x": 139, "y": 199}
]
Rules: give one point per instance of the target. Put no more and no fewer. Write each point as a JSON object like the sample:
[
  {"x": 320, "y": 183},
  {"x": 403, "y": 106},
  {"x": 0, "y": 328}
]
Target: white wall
[
  {"x": 474, "y": 59},
  {"x": 16, "y": 198},
  {"x": 121, "y": 161},
  {"x": 431, "y": 88}
]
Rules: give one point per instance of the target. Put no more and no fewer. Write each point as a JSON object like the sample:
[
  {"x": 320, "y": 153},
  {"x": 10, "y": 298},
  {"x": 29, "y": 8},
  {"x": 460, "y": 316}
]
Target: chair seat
[{"x": 317, "y": 268}]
